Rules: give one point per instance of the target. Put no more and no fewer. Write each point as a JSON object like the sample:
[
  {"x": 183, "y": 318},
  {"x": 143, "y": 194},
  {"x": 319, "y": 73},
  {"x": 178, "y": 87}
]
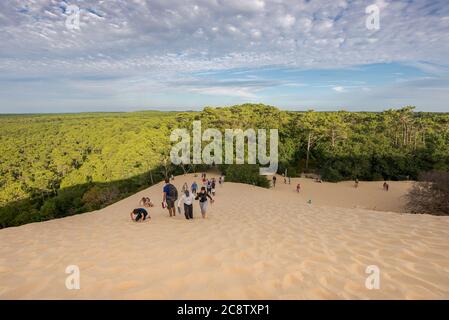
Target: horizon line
[{"x": 217, "y": 107}]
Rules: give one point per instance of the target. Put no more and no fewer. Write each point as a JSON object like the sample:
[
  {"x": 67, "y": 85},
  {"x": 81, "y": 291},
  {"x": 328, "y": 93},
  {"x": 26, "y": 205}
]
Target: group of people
[
  {"x": 187, "y": 198},
  {"x": 170, "y": 195},
  {"x": 287, "y": 179},
  {"x": 385, "y": 186}
]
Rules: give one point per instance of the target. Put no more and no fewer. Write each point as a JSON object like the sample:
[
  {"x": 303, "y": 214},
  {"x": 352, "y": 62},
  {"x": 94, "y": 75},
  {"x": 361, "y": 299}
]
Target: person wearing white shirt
[{"x": 187, "y": 198}]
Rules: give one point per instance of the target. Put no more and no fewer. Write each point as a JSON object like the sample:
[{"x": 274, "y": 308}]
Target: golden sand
[{"x": 255, "y": 244}]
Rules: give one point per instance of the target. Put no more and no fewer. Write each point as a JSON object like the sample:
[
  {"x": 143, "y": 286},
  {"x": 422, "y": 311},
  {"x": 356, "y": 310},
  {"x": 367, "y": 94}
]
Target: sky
[{"x": 186, "y": 54}]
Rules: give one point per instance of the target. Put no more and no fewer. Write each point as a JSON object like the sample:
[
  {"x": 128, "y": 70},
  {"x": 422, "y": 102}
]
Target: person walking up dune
[
  {"x": 170, "y": 195},
  {"x": 194, "y": 187},
  {"x": 202, "y": 197},
  {"x": 209, "y": 187},
  {"x": 187, "y": 198},
  {"x": 213, "y": 187}
]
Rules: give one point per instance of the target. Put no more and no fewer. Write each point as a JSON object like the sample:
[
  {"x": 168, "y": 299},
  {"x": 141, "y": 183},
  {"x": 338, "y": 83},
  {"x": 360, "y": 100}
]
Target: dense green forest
[{"x": 57, "y": 165}]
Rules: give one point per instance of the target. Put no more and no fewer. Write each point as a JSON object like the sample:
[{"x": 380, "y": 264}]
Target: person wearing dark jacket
[
  {"x": 140, "y": 215},
  {"x": 202, "y": 197}
]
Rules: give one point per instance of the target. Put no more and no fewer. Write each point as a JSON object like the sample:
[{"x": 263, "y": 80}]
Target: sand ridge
[{"x": 255, "y": 244}]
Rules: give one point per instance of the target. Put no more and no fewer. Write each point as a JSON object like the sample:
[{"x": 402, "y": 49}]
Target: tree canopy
[{"x": 60, "y": 164}]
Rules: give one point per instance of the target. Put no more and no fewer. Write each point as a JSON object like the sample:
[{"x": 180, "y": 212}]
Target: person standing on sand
[
  {"x": 274, "y": 181},
  {"x": 298, "y": 187},
  {"x": 202, "y": 197},
  {"x": 356, "y": 183},
  {"x": 187, "y": 198},
  {"x": 213, "y": 186},
  {"x": 170, "y": 195},
  {"x": 385, "y": 186},
  {"x": 209, "y": 187},
  {"x": 185, "y": 187},
  {"x": 194, "y": 187}
]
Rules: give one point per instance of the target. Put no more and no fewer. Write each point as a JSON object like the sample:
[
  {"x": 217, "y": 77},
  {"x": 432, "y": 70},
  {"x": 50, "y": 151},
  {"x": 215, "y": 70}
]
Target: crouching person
[{"x": 139, "y": 215}]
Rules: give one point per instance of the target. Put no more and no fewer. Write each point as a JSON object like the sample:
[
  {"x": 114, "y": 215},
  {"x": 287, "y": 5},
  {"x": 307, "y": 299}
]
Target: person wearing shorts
[
  {"x": 167, "y": 199},
  {"x": 140, "y": 215}
]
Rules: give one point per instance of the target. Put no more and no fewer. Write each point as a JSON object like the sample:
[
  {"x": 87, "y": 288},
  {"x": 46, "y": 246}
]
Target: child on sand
[
  {"x": 146, "y": 202},
  {"x": 356, "y": 183},
  {"x": 140, "y": 215},
  {"x": 187, "y": 198},
  {"x": 202, "y": 197},
  {"x": 274, "y": 181},
  {"x": 298, "y": 187}
]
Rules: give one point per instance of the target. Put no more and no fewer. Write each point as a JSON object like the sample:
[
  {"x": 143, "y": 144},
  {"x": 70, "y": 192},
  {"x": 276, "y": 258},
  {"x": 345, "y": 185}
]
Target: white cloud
[
  {"x": 226, "y": 91},
  {"x": 246, "y": 5},
  {"x": 339, "y": 89},
  {"x": 287, "y": 21},
  {"x": 147, "y": 30},
  {"x": 163, "y": 39}
]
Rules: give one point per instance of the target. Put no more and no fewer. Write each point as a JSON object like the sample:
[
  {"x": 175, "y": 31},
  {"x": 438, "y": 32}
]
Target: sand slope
[{"x": 256, "y": 244}]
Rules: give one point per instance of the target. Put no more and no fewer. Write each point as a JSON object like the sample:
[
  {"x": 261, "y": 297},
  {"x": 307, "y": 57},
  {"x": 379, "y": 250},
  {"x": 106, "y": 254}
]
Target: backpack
[{"x": 172, "y": 192}]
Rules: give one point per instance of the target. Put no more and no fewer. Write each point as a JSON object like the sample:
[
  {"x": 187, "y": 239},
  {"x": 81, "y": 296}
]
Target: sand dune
[{"x": 255, "y": 244}]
